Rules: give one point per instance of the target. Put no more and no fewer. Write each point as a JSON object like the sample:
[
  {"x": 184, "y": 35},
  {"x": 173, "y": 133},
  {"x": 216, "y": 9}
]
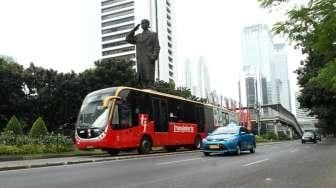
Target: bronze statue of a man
[{"x": 147, "y": 52}]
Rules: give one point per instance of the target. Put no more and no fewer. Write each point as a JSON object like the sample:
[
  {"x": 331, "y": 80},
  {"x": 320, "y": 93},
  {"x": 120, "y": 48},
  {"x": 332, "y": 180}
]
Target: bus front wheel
[{"x": 145, "y": 145}]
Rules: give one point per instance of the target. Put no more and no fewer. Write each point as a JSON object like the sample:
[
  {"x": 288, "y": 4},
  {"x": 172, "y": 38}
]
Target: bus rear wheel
[
  {"x": 145, "y": 146},
  {"x": 197, "y": 143}
]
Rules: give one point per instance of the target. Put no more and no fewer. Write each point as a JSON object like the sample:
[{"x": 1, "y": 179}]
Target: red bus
[{"x": 124, "y": 118}]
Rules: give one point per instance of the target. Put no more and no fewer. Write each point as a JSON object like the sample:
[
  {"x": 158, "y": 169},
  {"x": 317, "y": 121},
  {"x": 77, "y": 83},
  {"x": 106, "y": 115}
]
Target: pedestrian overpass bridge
[{"x": 275, "y": 118}]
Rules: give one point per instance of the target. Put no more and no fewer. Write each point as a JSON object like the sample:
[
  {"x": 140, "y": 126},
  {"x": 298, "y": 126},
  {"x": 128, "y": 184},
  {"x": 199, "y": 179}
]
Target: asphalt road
[{"x": 289, "y": 164}]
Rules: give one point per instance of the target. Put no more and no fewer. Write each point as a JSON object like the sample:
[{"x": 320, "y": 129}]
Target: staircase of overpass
[{"x": 274, "y": 116}]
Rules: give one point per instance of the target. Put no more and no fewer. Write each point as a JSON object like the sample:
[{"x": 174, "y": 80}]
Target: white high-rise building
[
  {"x": 187, "y": 76},
  {"x": 264, "y": 75},
  {"x": 203, "y": 79},
  {"x": 120, "y": 16},
  {"x": 206, "y": 82},
  {"x": 255, "y": 76},
  {"x": 280, "y": 74}
]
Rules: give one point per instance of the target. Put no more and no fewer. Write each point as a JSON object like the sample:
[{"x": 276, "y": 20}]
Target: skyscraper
[
  {"x": 203, "y": 79},
  {"x": 280, "y": 73},
  {"x": 264, "y": 75},
  {"x": 120, "y": 16},
  {"x": 187, "y": 76},
  {"x": 256, "y": 73}
]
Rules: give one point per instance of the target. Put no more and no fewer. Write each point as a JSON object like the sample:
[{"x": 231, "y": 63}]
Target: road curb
[
  {"x": 117, "y": 158},
  {"x": 272, "y": 143}
]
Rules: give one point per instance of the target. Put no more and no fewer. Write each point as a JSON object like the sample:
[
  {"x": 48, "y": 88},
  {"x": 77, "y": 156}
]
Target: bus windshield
[{"x": 92, "y": 113}]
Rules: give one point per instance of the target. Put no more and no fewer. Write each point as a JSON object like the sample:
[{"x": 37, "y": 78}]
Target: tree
[
  {"x": 108, "y": 73},
  {"x": 312, "y": 28},
  {"x": 38, "y": 129},
  {"x": 14, "y": 126},
  {"x": 12, "y": 89}
]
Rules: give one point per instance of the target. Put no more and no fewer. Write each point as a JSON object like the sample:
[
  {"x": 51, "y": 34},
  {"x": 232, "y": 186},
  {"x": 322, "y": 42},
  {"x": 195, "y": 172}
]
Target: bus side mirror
[{"x": 107, "y": 100}]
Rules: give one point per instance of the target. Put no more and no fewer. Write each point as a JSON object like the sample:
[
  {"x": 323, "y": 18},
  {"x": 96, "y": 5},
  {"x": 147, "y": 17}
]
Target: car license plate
[{"x": 214, "y": 146}]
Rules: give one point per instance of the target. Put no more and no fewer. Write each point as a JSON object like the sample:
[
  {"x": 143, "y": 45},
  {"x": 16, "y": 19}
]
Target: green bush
[
  {"x": 19, "y": 145},
  {"x": 14, "y": 126},
  {"x": 283, "y": 136},
  {"x": 9, "y": 150},
  {"x": 38, "y": 129},
  {"x": 32, "y": 149},
  {"x": 270, "y": 136},
  {"x": 260, "y": 139}
]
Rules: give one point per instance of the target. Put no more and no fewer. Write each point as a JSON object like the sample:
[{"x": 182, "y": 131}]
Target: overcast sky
[{"x": 65, "y": 35}]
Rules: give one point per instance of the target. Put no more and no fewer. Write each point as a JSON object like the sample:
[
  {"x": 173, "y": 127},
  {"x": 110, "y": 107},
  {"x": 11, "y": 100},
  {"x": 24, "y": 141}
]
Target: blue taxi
[{"x": 231, "y": 138}]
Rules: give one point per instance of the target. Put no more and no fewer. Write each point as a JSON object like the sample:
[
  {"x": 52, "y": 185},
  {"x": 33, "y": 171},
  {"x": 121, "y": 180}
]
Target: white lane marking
[
  {"x": 256, "y": 162},
  {"x": 294, "y": 150},
  {"x": 179, "y": 161}
]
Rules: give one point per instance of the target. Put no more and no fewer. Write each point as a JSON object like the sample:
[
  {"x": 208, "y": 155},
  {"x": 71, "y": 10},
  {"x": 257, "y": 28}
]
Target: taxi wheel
[
  {"x": 252, "y": 150},
  {"x": 238, "y": 150},
  {"x": 206, "y": 153}
]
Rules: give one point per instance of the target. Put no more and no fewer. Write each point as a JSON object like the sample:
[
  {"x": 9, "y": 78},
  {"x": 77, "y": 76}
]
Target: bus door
[
  {"x": 160, "y": 117},
  {"x": 126, "y": 133}
]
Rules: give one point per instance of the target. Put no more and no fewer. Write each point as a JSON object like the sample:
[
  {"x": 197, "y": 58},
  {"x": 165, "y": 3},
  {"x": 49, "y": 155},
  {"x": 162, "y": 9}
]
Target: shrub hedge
[
  {"x": 11, "y": 144},
  {"x": 38, "y": 129},
  {"x": 14, "y": 126}
]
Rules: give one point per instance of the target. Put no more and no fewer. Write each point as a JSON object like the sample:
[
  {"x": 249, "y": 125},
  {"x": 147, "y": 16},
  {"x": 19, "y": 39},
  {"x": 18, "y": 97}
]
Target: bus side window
[
  {"x": 136, "y": 99},
  {"x": 125, "y": 116},
  {"x": 172, "y": 111},
  {"x": 124, "y": 111},
  {"x": 180, "y": 113},
  {"x": 198, "y": 117},
  {"x": 189, "y": 113}
]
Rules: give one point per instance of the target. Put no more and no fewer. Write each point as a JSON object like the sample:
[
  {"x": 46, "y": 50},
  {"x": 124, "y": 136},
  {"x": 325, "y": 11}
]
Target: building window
[
  {"x": 112, "y": 37},
  {"x": 117, "y": 7},
  {"x": 168, "y": 4},
  {"x": 170, "y": 52},
  {"x": 119, "y": 43},
  {"x": 168, "y": 10},
  {"x": 168, "y": 23},
  {"x": 120, "y": 50},
  {"x": 171, "y": 74},
  {"x": 168, "y": 17},
  {"x": 122, "y": 13},
  {"x": 169, "y": 31},
  {"x": 169, "y": 38},
  {"x": 170, "y": 67},
  {"x": 126, "y": 57},
  {"x": 170, "y": 45},
  {"x": 122, "y": 20},
  {"x": 170, "y": 59},
  {"x": 104, "y": 3},
  {"x": 120, "y": 28}
]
